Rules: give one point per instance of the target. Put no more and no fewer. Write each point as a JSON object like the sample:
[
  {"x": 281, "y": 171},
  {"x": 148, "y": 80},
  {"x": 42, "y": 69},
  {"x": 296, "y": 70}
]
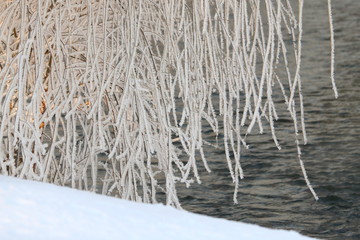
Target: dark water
[{"x": 273, "y": 193}]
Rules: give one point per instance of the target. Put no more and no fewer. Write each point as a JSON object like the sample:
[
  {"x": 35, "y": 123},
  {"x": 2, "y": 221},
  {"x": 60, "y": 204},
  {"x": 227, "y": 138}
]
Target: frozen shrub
[{"x": 110, "y": 93}]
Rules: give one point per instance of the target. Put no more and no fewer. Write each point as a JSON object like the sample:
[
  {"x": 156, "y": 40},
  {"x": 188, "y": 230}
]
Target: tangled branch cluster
[{"x": 109, "y": 93}]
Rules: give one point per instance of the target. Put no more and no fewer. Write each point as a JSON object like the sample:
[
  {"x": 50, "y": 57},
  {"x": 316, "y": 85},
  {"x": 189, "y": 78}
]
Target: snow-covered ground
[{"x": 33, "y": 210}]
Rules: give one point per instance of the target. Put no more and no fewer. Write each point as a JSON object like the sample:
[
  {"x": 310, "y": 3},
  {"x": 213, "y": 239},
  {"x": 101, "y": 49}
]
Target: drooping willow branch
[{"x": 111, "y": 93}]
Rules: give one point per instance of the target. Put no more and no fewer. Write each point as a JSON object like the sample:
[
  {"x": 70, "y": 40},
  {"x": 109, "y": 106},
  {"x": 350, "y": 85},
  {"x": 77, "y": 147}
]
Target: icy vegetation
[
  {"x": 32, "y": 210},
  {"x": 106, "y": 95}
]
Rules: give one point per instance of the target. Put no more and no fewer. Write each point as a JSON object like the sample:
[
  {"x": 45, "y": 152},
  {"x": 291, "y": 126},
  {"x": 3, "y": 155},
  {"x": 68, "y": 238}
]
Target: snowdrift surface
[{"x": 33, "y": 210}]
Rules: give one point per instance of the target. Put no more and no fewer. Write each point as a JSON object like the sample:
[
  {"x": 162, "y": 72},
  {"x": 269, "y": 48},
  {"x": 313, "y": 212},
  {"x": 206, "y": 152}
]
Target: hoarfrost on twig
[{"x": 110, "y": 95}]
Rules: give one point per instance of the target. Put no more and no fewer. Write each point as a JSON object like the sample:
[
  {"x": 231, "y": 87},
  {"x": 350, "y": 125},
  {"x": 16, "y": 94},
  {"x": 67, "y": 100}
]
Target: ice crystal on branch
[{"x": 105, "y": 96}]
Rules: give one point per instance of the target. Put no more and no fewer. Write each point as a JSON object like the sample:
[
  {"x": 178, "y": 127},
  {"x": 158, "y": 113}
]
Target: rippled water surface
[{"x": 273, "y": 193}]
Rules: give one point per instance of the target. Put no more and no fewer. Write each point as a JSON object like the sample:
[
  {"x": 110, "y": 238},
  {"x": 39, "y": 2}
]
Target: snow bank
[{"x": 33, "y": 210}]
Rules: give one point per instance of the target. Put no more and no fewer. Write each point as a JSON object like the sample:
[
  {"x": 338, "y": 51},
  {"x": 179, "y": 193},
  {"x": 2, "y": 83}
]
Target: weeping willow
[{"x": 112, "y": 96}]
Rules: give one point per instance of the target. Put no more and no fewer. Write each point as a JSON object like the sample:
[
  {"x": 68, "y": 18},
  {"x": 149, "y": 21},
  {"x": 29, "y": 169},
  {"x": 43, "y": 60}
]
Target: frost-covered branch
[{"x": 106, "y": 95}]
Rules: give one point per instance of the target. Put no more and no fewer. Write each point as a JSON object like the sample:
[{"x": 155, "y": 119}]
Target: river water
[{"x": 273, "y": 193}]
